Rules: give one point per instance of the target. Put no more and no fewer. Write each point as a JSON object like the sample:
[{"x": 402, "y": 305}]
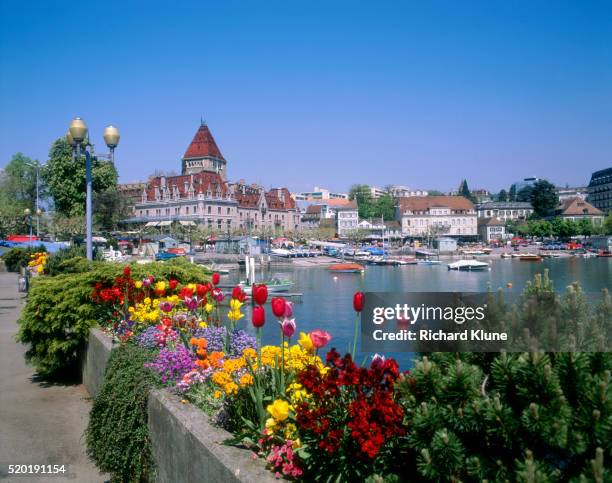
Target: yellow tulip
[
  {"x": 138, "y": 284},
  {"x": 279, "y": 409},
  {"x": 209, "y": 307},
  {"x": 306, "y": 342}
]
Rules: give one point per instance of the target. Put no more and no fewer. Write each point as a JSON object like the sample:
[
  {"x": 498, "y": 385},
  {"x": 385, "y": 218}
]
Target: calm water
[{"x": 327, "y": 302}]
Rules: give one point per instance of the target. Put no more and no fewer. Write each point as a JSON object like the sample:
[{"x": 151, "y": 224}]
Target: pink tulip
[
  {"x": 320, "y": 338},
  {"x": 191, "y": 303},
  {"x": 288, "y": 309},
  {"x": 166, "y": 307},
  {"x": 217, "y": 295},
  {"x": 288, "y": 327}
]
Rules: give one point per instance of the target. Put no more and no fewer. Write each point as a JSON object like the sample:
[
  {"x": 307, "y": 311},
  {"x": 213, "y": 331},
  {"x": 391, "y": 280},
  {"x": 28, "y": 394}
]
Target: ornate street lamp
[
  {"x": 28, "y": 214},
  {"x": 77, "y": 136}
]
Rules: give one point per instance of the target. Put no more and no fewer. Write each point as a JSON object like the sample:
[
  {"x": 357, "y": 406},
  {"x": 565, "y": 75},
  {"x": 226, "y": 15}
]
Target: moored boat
[
  {"x": 274, "y": 285},
  {"x": 346, "y": 268},
  {"x": 530, "y": 257},
  {"x": 468, "y": 265}
]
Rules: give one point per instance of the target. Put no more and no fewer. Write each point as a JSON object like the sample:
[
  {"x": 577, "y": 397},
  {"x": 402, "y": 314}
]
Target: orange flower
[{"x": 216, "y": 359}]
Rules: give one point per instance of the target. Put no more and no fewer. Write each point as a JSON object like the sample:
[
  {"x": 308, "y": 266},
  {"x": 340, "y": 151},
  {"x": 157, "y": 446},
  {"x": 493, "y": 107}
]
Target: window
[
  {"x": 209, "y": 209},
  {"x": 218, "y": 210},
  {"x": 229, "y": 210}
]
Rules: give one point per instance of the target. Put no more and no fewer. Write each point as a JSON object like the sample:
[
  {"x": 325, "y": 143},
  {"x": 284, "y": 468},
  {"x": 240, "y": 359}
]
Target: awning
[
  {"x": 152, "y": 223},
  {"x": 186, "y": 222},
  {"x": 165, "y": 223}
]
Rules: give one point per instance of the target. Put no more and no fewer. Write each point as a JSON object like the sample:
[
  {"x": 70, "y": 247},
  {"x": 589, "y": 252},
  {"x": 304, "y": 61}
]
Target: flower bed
[{"x": 329, "y": 419}]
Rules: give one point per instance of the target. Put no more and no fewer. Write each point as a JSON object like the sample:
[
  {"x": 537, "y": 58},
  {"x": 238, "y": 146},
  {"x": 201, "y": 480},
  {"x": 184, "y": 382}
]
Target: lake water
[{"x": 327, "y": 301}]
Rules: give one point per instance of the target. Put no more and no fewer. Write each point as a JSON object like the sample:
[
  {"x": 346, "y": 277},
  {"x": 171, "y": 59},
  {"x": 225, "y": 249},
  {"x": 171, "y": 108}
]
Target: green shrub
[
  {"x": 533, "y": 417},
  {"x": 59, "y": 311},
  {"x": 18, "y": 257},
  {"x": 117, "y": 435}
]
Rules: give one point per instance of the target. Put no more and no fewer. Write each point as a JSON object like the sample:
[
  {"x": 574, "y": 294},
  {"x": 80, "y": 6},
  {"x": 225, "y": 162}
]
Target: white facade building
[{"x": 422, "y": 216}]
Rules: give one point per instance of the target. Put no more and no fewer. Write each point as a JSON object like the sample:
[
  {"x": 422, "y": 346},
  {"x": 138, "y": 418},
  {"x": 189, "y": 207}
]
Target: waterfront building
[
  {"x": 490, "y": 229},
  {"x": 201, "y": 195},
  {"x": 347, "y": 217},
  {"x": 505, "y": 210},
  {"x": 425, "y": 216},
  {"x": 600, "y": 190},
  {"x": 131, "y": 193},
  {"x": 576, "y": 209}
]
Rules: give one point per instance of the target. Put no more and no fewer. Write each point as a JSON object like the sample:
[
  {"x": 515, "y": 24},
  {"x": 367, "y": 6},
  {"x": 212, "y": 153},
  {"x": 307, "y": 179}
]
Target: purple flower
[
  {"x": 172, "y": 364},
  {"x": 241, "y": 340},
  {"x": 166, "y": 307},
  {"x": 191, "y": 303},
  {"x": 215, "y": 336},
  {"x": 147, "y": 338}
]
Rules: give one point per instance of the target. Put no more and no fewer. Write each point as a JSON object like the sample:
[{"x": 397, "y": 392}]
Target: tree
[
  {"x": 607, "y": 225},
  {"x": 363, "y": 196},
  {"x": 585, "y": 227},
  {"x": 564, "y": 228},
  {"x": 512, "y": 193},
  {"x": 465, "y": 191},
  {"x": 435, "y": 193},
  {"x": 65, "y": 178},
  {"x": 502, "y": 196},
  {"x": 525, "y": 194},
  {"x": 109, "y": 209},
  {"x": 383, "y": 207},
  {"x": 544, "y": 198}
]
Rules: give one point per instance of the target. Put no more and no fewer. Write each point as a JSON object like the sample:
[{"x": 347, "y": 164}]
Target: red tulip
[
  {"x": 172, "y": 284},
  {"x": 238, "y": 294},
  {"x": 260, "y": 294},
  {"x": 216, "y": 278},
  {"x": 127, "y": 271},
  {"x": 278, "y": 306},
  {"x": 185, "y": 292},
  {"x": 259, "y": 316},
  {"x": 201, "y": 290},
  {"x": 320, "y": 338},
  {"x": 358, "y": 301}
]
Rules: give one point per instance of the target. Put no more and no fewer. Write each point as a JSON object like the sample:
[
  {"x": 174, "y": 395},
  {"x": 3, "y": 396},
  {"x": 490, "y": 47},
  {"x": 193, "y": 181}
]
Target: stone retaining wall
[{"x": 187, "y": 447}]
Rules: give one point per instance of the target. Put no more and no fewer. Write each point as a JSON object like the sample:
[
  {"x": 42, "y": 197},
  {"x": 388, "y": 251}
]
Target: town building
[
  {"x": 405, "y": 192},
  {"x": 526, "y": 182},
  {"x": 567, "y": 193},
  {"x": 576, "y": 209},
  {"x": 202, "y": 196},
  {"x": 600, "y": 190},
  {"x": 426, "y": 216},
  {"x": 319, "y": 194},
  {"x": 505, "y": 210},
  {"x": 131, "y": 193},
  {"x": 481, "y": 195},
  {"x": 347, "y": 217},
  {"x": 490, "y": 229}
]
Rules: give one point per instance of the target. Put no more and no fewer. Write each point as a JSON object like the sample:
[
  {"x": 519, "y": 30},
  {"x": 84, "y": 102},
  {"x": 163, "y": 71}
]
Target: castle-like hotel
[{"x": 202, "y": 195}]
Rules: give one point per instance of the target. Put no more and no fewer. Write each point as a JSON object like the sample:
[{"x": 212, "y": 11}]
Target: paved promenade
[{"x": 40, "y": 423}]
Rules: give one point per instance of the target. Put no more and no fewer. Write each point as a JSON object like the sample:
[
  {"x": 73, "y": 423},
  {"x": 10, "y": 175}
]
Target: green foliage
[
  {"x": 18, "y": 257},
  {"x": 59, "y": 311},
  {"x": 382, "y": 207},
  {"x": 109, "y": 209},
  {"x": 118, "y": 435},
  {"x": 532, "y": 417},
  {"x": 65, "y": 178},
  {"x": 465, "y": 191},
  {"x": 542, "y": 195},
  {"x": 512, "y": 193},
  {"x": 67, "y": 260},
  {"x": 502, "y": 195}
]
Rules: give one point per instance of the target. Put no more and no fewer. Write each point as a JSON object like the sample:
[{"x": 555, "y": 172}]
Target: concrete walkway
[{"x": 40, "y": 423}]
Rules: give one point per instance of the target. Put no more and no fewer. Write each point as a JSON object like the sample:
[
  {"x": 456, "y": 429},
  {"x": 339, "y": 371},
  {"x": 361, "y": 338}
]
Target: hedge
[{"x": 59, "y": 311}]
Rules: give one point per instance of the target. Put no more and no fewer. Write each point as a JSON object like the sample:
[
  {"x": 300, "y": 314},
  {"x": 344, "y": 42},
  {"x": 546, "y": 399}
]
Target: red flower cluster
[{"x": 350, "y": 397}]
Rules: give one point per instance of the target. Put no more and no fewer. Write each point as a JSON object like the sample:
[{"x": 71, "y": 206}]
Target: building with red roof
[{"x": 201, "y": 195}]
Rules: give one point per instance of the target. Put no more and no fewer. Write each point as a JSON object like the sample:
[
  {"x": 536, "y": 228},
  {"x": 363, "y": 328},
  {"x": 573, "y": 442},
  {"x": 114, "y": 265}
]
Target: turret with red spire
[{"x": 203, "y": 154}]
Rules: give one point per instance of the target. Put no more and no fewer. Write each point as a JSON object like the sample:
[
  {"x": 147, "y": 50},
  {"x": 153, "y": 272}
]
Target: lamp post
[
  {"x": 36, "y": 166},
  {"x": 28, "y": 214},
  {"x": 77, "y": 136}
]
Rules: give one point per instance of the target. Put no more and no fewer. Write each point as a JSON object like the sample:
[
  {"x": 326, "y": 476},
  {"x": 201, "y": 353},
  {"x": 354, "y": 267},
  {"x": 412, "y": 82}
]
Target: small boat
[
  {"x": 530, "y": 257},
  {"x": 506, "y": 255},
  {"x": 468, "y": 265},
  {"x": 274, "y": 285},
  {"x": 212, "y": 268},
  {"x": 604, "y": 253},
  {"x": 346, "y": 268},
  {"x": 428, "y": 262}
]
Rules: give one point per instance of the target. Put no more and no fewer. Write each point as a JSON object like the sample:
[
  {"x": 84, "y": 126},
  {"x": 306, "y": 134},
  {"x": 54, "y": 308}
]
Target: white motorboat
[{"x": 468, "y": 265}]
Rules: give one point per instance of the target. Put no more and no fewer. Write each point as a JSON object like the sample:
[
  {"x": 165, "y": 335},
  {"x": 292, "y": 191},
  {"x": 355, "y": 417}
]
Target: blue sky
[{"x": 329, "y": 93}]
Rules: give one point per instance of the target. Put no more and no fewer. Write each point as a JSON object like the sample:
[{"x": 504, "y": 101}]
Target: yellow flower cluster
[
  {"x": 146, "y": 311},
  {"x": 231, "y": 374},
  {"x": 296, "y": 357},
  {"x": 280, "y": 422},
  {"x": 37, "y": 262}
]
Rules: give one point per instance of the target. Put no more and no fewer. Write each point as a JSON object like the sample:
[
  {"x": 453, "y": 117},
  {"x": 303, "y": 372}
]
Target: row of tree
[
  {"x": 61, "y": 190},
  {"x": 370, "y": 207},
  {"x": 560, "y": 228}
]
